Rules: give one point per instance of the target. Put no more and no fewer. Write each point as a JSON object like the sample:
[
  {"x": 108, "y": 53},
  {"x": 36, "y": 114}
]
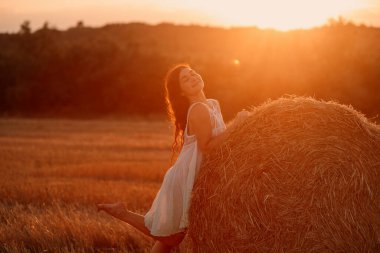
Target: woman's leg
[
  {"x": 160, "y": 247},
  {"x": 119, "y": 211}
]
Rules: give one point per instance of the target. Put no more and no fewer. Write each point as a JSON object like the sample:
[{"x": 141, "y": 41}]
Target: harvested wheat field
[
  {"x": 299, "y": 175},
  {"x": 54, "y": 171}
]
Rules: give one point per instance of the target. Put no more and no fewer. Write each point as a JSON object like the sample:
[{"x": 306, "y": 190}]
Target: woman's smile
[
  {"x": 195, "y": 82},
  {"x": 191, "y": 82}
]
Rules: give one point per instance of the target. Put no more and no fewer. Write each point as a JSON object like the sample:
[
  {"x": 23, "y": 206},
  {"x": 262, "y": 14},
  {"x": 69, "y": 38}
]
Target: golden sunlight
[
  {"x": 282, "y": 15},
  {"x": 278, "y": 14}
]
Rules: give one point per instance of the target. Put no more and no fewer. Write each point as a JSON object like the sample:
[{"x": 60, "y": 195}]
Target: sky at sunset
[{"x": 278, "y": 14}]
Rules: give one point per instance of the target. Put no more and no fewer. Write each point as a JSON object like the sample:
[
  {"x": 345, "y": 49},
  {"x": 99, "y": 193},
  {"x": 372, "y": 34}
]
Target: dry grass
[
  {"x": 54, "y": 171},
  {"x": 300, "y": 175}
]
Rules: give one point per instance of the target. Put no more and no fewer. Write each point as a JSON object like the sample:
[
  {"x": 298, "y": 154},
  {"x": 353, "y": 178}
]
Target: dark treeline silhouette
[{"x": 118, "y": 69}]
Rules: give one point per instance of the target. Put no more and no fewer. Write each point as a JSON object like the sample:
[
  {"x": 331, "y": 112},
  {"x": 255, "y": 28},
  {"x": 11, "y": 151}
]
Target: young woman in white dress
[{"x": 199, "y": 128}]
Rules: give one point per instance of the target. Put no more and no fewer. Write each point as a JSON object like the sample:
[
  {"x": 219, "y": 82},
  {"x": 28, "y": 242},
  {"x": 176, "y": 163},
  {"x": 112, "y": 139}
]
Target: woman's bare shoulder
[
  {"x": 199, "y": 119},
  {"x": 199, "y": 112}
]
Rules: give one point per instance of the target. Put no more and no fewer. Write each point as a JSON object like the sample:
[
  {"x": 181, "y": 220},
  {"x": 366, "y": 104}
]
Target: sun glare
[
  {"x": 282, "y": 15},
  {"x": 276, "y": 14}
]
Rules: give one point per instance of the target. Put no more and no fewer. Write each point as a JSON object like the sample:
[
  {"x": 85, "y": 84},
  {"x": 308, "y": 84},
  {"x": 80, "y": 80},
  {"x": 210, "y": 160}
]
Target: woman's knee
[
  {"x": 160, "y": 247},
  {"x": 176, "y": 239}
]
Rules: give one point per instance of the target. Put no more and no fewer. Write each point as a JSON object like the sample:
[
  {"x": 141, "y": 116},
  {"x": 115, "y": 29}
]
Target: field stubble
[{"x": 55, "y": 171}]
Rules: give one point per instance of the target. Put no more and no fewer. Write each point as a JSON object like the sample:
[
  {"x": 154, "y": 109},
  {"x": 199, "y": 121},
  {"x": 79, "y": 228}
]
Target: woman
[{"x": 199, "y": 128}]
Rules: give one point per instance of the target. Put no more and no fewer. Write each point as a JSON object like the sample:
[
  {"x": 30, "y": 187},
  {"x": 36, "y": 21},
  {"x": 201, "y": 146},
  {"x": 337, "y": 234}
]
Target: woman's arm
[
  {"x": 200, "y": 122},
  {"x": 215, "y": 141}
]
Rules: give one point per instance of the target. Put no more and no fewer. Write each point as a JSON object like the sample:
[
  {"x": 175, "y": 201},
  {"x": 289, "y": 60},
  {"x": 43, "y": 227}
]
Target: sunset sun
[
  {"x": 273, "y": 14},
  {"x": 281, "y": 15}
]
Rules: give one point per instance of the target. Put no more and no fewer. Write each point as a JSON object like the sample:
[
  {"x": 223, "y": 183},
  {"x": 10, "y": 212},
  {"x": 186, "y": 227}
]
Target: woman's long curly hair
[{"x": 177, "y": 105}]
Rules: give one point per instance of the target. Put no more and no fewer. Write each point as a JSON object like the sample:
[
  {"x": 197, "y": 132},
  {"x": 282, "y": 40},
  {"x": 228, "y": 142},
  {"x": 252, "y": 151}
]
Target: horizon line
[{"x": 344, "y": 21}]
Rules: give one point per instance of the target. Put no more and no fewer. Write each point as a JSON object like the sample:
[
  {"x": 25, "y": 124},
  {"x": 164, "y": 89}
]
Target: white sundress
[{"x": 169, "y": 212}]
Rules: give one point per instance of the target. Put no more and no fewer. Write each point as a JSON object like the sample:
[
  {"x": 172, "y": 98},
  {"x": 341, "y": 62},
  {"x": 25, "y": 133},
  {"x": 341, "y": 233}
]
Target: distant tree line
[{"x": 118, "y": 69}]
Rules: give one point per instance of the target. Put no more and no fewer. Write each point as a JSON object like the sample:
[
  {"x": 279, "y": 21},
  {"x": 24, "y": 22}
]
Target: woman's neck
[{"x": 200, "y": 97}]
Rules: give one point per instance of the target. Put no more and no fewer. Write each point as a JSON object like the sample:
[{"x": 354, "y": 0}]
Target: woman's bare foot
[
  {"x": 114, "y": 209},
  {"x": 118, "y": 210}
]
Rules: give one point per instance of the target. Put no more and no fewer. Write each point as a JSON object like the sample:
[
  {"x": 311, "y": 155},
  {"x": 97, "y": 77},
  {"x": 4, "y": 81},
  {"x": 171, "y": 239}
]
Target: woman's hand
[{"x": 241, "y": 116}]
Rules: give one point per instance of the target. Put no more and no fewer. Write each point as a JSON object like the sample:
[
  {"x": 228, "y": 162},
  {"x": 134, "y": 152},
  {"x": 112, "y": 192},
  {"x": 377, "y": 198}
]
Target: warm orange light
[
  {"x": 278, "y": 14},
  {"x": 236, "y": 62}
]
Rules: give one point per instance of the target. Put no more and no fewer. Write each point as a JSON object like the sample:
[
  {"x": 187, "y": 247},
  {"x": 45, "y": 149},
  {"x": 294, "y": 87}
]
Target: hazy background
[
  {"x": 277, "y": 14},
  {"x": 118, "y": 69},
  {"x": 109, "y": 58}
]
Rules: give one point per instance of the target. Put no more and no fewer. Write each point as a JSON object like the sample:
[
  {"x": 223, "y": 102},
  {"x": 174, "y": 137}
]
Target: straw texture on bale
[{"x": 299, "y": 175}]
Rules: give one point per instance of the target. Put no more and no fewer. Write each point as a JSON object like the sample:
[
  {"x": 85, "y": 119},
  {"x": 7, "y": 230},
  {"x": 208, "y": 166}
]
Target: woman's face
[{"x": 190, "y": 81}]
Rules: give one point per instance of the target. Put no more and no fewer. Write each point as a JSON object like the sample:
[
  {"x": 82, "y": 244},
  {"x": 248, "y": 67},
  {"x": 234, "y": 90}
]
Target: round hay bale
[{"x": 299, "y": 175}]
